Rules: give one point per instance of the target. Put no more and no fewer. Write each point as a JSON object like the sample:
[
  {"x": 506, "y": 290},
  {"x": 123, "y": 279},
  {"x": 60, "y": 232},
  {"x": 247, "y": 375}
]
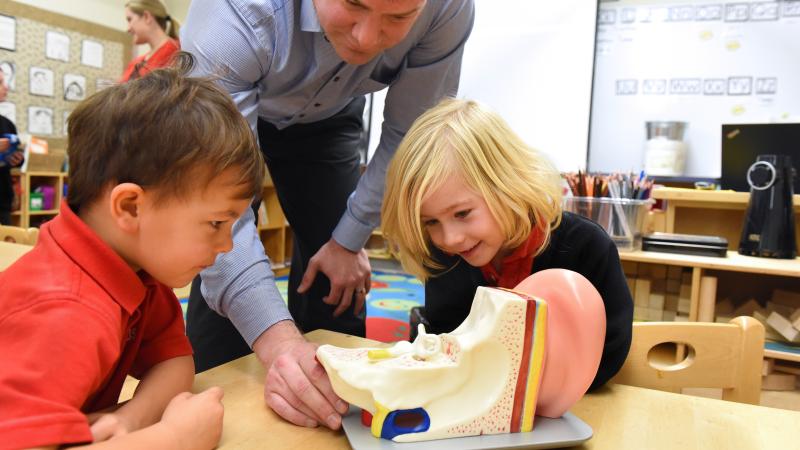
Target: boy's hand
[
  {"x": 105, "y": 426},
  {"x": 348, "y": 272},
  {"x": 195, "y": 419}
]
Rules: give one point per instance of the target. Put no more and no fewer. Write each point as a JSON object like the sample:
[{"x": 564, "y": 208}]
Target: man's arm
[
  {"x": 241, "y": 285},
  {"x": 432, "y": 73}
]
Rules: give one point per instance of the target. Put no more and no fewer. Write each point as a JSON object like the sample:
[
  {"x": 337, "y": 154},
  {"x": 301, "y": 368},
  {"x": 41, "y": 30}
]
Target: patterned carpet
[{"x": 388, "y": 303}]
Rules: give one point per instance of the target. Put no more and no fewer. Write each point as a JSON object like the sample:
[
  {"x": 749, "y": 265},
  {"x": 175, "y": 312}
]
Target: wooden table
[
  {"x": 11, "y": 252},
  {"x": 623, "y": 417}
]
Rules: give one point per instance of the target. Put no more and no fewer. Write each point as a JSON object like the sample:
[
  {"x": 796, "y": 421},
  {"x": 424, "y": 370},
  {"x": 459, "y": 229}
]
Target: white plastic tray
[{"x": 547, "y": 433}]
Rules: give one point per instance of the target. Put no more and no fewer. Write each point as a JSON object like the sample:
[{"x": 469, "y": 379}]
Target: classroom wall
[
  {"x": 110, "y": 13},
  {"x": 104, "y": 12}
]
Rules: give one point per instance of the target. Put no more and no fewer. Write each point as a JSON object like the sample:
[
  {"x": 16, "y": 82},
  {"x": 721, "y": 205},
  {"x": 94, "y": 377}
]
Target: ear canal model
[{"x": 489, "y": 375}]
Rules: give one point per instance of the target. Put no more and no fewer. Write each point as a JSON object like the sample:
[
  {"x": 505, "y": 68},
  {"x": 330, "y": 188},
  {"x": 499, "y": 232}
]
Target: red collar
[
  {"x": 97, "y": 259},
  {"x": 516, "y": 266}
]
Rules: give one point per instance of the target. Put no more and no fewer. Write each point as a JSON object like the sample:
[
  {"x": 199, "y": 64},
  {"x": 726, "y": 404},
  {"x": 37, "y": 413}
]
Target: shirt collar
[
  {"x": 309, "y": 21},
  {"x": 97, "y": 259}
]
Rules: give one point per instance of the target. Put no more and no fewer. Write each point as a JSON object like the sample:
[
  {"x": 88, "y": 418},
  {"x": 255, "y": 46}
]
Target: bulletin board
[
  {"x": 56, "y": 62},
  {"x": 706, "y": 63}
]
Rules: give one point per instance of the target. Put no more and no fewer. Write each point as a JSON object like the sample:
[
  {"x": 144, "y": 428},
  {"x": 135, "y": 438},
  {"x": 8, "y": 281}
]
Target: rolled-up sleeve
[{"x": 241, "y": 284}]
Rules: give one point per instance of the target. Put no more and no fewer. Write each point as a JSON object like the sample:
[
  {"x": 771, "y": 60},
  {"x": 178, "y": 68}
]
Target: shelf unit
[
  {"x": 718, "y": 213},
  {"x": 734, "y": 262},
  {"x": 25, "y": 217},
  {"x": 275, "y": 233}
]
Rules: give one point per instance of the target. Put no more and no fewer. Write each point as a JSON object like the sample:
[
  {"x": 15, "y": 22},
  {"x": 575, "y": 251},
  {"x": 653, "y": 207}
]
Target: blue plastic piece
[{"x": 390, "y": 430}]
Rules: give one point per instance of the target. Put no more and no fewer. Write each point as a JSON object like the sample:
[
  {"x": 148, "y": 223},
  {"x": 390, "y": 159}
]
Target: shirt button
[
  {"x": 302, "y": 115},
  {"x": 317, "y": 105},
  {"x": 335, "y": 78}
]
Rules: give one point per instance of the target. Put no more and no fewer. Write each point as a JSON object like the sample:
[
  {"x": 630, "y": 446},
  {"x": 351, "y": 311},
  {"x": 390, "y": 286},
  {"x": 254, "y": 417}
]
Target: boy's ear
[{"x": 125, "y": 203}]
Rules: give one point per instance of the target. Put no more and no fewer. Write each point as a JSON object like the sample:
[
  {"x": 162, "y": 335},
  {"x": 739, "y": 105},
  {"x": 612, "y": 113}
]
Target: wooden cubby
[{"x": 26, "y": 217}]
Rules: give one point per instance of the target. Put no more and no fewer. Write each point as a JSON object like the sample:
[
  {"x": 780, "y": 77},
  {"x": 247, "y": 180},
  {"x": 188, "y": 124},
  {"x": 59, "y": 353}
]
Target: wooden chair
[
  {"x": 717, "y": 355},
  {"x": 17, "y": 235}
]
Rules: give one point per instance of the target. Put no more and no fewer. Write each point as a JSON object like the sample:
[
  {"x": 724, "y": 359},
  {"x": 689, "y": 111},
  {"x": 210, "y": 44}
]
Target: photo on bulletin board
[
  {"x": 40, "y": 120},
  {"x": 56, "y": 46},
  {"x": 41, "y": 82},
  {"x": 92, "y": 53},
  {"x": 74, "y": 87},
  {"x": 9, "y": 70},
  {"x": 65, "y": 123},
  {"x": 9, "y": 111},
  {"x": 8, "y": 32}
]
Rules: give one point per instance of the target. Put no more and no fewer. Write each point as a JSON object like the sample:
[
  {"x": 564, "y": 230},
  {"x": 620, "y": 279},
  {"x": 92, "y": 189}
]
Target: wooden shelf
[
  {"x": 720, "y": 199},
  {"x": 785, "y": 356},
  {"x": 30, "y": 181},
  {"x": 734, "y": 262},
  {"x": 720, "y": 213}
]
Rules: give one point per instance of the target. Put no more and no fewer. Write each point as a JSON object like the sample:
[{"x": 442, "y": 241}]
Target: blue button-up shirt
[{"x": 274, "y": 60}]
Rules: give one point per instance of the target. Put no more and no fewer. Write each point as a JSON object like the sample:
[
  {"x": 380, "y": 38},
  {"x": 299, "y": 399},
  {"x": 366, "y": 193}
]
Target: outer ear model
[
  {"x": 576, "y": 332},
  {"x": 489, "y": 375}
]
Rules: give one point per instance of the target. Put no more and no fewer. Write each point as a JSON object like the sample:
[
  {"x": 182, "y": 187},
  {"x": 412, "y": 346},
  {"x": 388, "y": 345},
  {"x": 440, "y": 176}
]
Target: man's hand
[
  {"x": 297, "y": 387},
  {"x": 348, "y": 272}
]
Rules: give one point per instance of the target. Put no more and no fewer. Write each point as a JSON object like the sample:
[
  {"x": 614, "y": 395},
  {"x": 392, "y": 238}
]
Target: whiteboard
[
  {"x": 531, "y": 61},
  {"x": 705, "y": 63}
]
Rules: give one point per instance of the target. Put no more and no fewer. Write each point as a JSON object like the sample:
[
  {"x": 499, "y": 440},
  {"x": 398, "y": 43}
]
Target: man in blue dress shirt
[{"x": 298, "y": 71}]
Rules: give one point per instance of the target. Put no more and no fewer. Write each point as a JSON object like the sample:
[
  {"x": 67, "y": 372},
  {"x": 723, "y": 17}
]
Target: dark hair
[{"x": 166, "y": 132}]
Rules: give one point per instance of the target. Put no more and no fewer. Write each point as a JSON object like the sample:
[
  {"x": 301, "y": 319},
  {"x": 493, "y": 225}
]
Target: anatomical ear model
[{"x": 533, "y": 350}]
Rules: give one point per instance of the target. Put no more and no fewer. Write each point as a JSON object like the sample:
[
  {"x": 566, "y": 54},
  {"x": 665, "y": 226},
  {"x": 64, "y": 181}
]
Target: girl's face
[{"x": 458, "y": 221}]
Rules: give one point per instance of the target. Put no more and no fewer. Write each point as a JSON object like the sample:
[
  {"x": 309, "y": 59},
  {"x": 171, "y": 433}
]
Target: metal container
[{"x": 665, "y": 129}]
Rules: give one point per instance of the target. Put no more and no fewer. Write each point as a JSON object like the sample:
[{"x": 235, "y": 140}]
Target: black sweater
[
  {"x": 6, "y": 188},
  {"x": 578, "y": 244}
]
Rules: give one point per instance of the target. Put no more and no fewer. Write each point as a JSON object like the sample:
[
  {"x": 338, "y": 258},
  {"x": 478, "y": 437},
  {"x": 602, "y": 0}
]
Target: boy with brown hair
[{"x": 160, "y": 168}]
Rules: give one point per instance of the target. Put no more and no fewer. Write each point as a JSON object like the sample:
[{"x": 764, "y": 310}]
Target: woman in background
[
  {"x": 149, "y": 23},
  {"x": 9, "y": 158}
]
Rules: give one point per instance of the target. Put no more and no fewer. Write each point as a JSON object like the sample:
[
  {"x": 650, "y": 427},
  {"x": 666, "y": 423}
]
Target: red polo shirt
[
  {"x": 75, "y": 320},
  {"x": 516, "y": 266}
]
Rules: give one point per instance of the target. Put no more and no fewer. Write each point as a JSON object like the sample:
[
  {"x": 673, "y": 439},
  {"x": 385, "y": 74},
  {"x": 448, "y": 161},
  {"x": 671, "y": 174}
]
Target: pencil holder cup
[{"x": 622, "y": 218}]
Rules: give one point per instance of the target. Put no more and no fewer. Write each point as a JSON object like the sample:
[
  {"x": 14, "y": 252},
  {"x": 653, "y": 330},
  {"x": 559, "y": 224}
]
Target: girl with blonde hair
[
  {"x": 469, "y": 204},
  {"x": 149, "y": 23}
]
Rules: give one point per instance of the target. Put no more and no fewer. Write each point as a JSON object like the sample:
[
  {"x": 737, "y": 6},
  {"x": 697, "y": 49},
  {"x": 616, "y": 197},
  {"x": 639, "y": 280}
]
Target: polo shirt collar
[
  {"x": 309, "y": 21},
  {"x": 97, "y": 259}
]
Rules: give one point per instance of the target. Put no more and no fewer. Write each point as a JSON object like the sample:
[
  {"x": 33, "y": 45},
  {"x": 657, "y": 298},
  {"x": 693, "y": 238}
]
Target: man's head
[
  {"x": 167, "y": 163},
  {"x": 360, "y": 29}
]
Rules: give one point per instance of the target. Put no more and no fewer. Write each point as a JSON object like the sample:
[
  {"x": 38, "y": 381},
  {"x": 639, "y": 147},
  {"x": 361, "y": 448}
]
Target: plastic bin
[{"x": 623, "y": 219}]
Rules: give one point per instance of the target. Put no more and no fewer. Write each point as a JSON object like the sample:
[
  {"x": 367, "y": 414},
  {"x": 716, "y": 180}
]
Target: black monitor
[{"x": 742, "y": 143}]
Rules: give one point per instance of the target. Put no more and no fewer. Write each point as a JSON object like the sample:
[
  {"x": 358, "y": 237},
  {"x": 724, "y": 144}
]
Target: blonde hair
[
  {"x": 159, "y": 12},
  {"x": 521, "y": 187}
]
